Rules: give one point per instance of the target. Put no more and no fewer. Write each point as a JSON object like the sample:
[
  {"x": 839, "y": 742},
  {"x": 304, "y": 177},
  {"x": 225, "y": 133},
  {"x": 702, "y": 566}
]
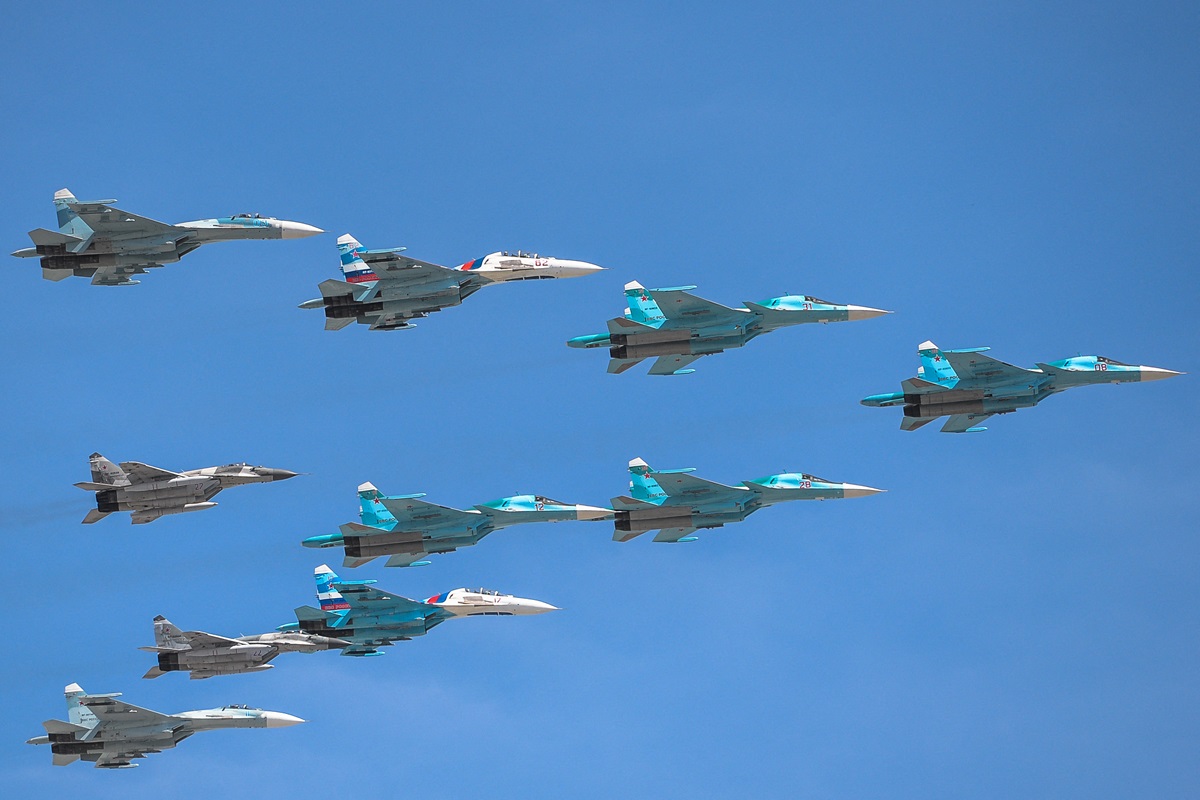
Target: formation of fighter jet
[
  {"x": 111, "y": 733},
  {"x": 676, "y": 504},
  {"x": 150, "y": 492},
  {"x": 679, "y": 327},
  {"x": 95, "y": 240},
  {"x": 969, "y": 387},
  {"x": 409, "y": 529},
  {"x": 387, "y": 290},
  {"x": 203, "y": 655},
  {"x": 369, "y": 618}
]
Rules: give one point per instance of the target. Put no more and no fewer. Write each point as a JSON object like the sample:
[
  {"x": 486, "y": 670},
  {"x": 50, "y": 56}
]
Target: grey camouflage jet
[
  {"x": 150, "y": 492},
  {"x": 203, "y": 655},
  {"x": 95, "y": 240},
  {"x": 111, "y": 733}
]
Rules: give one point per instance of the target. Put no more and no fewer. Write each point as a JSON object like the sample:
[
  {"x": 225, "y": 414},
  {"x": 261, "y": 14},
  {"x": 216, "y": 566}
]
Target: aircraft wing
[
  {"x": 144, "y": 473},
  {"x": 113, "y": 223},
  {"x": 984, "y": 369},
  {"x": 413, "y": 513},
  {"x": 201, "y": 640},
  {"x": 688, "y": 489},
  {"x": 142, "y": 517},
  {"x": 393, "y": 265},
  {"x": 366, "y": 598},
  {"x": 963, "y": 423},
  {"x": 673, "y": 534},
  {"x": 688, "y": 309},
  {"x": 114, "y": 713}
]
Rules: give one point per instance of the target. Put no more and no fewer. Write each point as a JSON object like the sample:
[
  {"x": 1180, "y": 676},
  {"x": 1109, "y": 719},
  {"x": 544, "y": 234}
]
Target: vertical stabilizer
[
  {"x": 167, "y": 635},
  {"x": 641, "y": 482},
  {"x": 354, "y": 268},
  {"x": 934, "y": 366},
  {"x": 68, "y": 221},
  {"x": 370, "y": 510},
  {"x": 642, "y": 307},
  {"x": 77, "y": 713},
  {"x": 328, "y": 598},
  {"x": 104, "y": 471}
]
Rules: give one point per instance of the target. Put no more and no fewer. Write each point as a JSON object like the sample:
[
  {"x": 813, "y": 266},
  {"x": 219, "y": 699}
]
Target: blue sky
[{"x": 1017, "y": 616}]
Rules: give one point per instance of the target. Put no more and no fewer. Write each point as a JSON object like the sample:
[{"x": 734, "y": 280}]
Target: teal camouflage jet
[
  {"x": 387, "y": 290},
  {"x": 409, "y": 529},
  {"x": 679, "y": 327},
  {"x": 368, "y": 618},
  {"x": 95, "y": 240},
  {"x": 111, "y": 733},
  {"x": 969, "y": 387},
  {"x": 676, "y": 504}
]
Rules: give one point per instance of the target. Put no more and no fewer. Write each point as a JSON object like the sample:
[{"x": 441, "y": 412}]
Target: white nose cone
[
  {"x": 574, "y": 269},
  {"x": 295, "y": 230},
  {"x": 854, "y": 490},
  {"x": 524, "y": 606},
  {"x": 1157, "y": 373},
  {"x": 589, "y": 513},
  {"x": 277, "y": 719},
  {"x": 864, "y": 312}
]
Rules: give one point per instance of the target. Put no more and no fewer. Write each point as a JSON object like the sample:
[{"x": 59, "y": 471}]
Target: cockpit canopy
[
  {"x": 1113, "y": 361},
  {"x": 247, "y": 216},
  {"x": 518, "y": 254},
  {"x": 239, "y": 707},
  {"x": 546, "y": 501}
]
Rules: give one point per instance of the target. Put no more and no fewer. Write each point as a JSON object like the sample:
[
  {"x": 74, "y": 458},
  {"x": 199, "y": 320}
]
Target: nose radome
[
  {"x": 854, "y": 490},
  {"x": 535, "y": 607},
  {"x": 589, "y": 513},
  {"x": 277, "y": 719},
  {"x": 1158, "y": 373},
  {"x": 296, "y": 230},
  {"x": 864, "y": 312}
]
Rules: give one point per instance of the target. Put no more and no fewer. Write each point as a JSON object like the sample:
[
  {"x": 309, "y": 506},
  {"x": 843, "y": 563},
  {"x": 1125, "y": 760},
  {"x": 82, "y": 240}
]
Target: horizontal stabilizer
[
  {"x": 625, "y": 536},
  {"x": 154, "y": 671},
  {"x": 675, "y": 535},
  {"x": 91, "y": 486},
  {"x": 56, "y": 274},
  {"x": 630, "y": 504},
  {"x": 351, "y": 562},
  {"x": 337, "y": 323},
  {"x": 93, "y": 516},
  {"x": 920, "y": 386},
  {"x": 44, "y": 238},
  {"x": 618, "y": 365},
  {"x": 912, "y": 423},
  {"x": 57, "y": 726},
  {"x": 628, "y": 326},
  {"x": 62, "y": 759}
]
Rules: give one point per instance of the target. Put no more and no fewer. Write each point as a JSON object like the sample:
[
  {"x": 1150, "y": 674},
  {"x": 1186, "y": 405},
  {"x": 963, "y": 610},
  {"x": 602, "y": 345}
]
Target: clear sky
[{"x": 1017, "y": 617}]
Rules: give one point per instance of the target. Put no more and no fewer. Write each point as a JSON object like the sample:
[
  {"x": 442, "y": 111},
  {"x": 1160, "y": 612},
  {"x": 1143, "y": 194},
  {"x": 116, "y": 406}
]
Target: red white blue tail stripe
[{"x": 353, "y": 267}]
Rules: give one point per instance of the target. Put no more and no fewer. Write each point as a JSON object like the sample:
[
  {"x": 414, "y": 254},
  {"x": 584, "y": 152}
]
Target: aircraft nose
[
  {"x": 854, "y": 490},
  {"x": 535, "y": 607},
  {"x": 277, "y": 719},
  {"x": 296, "y": 230},
  {"x": 589, "y": 513},
  {"x": 864, "y": 312},
  {"x": 277, "y": 474},
  {"x": 1157, "y": 373}
]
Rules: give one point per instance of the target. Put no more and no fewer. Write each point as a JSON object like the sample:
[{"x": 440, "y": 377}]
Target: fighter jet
[
  {"x": 386, "y": 290},
  {"x": 409, "y": 529},
  {"x": 679, "y": 327},
  {"x": 969, "y": 387},
  {"x": 203, "y": 655},
  {"x": 150, "y": 492},
  {"x": 112, "y": 733},
  {"x": 370, "y": 618},
  {"x": 97, "y": 241},
  {"x": 676, "y": 504}
]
